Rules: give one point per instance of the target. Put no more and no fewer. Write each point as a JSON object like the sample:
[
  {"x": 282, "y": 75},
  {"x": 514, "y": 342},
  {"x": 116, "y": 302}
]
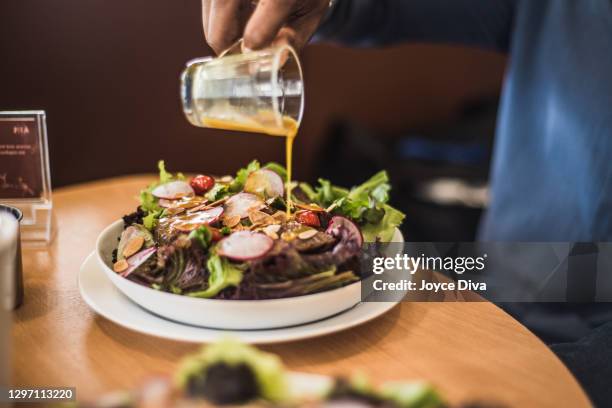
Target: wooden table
[{"x": 469, "y": 350}]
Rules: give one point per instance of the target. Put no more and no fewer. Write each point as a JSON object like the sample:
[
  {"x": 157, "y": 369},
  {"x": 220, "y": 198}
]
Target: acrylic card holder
[{"x": 24, "y": 172}]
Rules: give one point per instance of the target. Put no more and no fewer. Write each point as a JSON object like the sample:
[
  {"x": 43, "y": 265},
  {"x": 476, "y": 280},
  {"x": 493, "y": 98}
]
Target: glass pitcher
[{"x": 256, "y": 91}]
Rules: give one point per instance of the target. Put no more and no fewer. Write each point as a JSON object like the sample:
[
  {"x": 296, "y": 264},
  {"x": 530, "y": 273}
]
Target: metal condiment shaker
[{"x": 11, "y": 273}]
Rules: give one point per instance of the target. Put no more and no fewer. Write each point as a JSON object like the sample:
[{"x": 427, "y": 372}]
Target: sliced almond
[
  {"x": 185, "y": 226},
  {"x": 280, "y": 216},
  {"x": 309, "y": 233},
  {"x": 120, "y": 266},
  {"x": 231, "y": 221},
  {"x": 240, "y": 227},
  {"x": 272, "y": 228},
  {"x": 133, "y": 246},
  {"x": 216, "y": 203},
  {"x": 174, "y": 210},
  {"x": 202, "y": 205},
  {"x": 272, "y": 235},
  {"x": 226, "y": 179},
  {"x": 198, "y": 208},
  {"x": 192, "y": 202},
  {"x": 310, "y": 207},
  {"x": 260, "y": 217}
]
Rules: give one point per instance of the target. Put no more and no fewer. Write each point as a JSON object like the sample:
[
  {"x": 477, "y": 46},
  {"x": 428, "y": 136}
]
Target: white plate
[
  {"x": 228, "y": 314},
  {"x": 105, "y": 299}
]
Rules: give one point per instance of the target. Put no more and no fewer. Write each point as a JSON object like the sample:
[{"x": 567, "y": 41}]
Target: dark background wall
[{"x": 107, "y": 73}]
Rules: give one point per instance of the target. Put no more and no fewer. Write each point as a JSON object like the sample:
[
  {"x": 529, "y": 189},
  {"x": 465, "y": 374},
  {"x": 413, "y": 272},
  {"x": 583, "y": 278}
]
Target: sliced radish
[
  {"x": 242, "y": 204},
  {"x": 173, "y": 190},
  {"x": 338, "y": 224},
  {"x": 245, "y": 245},
  {"x": 138, "y": 259},
  {"x": 207, "y": 216},
  {"x": 266, "y": 183},
  {"x": 195, "y": 220}
]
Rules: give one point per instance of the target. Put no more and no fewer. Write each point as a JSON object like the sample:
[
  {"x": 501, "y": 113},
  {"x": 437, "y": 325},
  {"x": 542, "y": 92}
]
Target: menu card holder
[{"x": 24, "y": 172}]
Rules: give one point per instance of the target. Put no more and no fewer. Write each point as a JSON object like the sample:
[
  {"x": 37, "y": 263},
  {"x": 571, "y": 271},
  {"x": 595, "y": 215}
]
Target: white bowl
[{"x": 228, "y": 314}]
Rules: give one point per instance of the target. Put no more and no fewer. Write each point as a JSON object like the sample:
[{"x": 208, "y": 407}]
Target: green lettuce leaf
[
  {"x": 325, "y": 194},
  {"x": 385, "y": 228},
  {"x": 223, "y": 274},
  {"x": 164, "y": 176},
  {"x": 377, "y": 184},
  {"x": 150, "y": 220},
  {"x": 329, "y": 193},
  {"x": 350, "y": 203},
  {"x": 202, "y": 235},
  {"x": 217, "y": 192},
  {"x": 148, "y": 202},
  {"x": 309, "y": 192}
]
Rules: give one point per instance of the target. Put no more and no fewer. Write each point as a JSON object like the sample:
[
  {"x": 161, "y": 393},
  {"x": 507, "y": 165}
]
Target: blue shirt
[{"x": 551, "y": 177}]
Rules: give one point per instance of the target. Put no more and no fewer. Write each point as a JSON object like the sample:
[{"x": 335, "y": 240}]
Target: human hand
[{"x": 260, "y": 23}]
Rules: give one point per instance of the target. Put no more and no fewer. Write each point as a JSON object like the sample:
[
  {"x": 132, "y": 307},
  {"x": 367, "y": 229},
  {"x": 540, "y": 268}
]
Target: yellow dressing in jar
[{"x": 259, "y": 91}]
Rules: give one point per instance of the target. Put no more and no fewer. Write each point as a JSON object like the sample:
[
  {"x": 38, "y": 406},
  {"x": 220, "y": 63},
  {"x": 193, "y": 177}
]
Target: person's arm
[
  {"x": 485, "y": 23},
  {"x": 482, "y": 23}
]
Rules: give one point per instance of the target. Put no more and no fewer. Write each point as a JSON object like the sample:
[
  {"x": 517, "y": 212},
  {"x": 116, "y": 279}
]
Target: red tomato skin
[
  {"x": 216, "y": 234},
  {"x": 202, "y": 183},
  {"x": 309, "y": 218}
]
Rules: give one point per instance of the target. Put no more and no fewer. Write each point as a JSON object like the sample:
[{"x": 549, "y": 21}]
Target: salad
[
  {"x": 241, "y": 237},
  {"x": 229, "y": 373}
]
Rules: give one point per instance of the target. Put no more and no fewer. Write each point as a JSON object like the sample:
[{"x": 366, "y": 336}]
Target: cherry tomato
[
  {"x": 308, "y": 218},
  {"x": 201, "y": 184},
  {"x": 216, "y": 234}
]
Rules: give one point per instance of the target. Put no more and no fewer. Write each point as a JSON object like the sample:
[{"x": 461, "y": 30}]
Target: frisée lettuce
[{"x": 365, "y": 204}]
